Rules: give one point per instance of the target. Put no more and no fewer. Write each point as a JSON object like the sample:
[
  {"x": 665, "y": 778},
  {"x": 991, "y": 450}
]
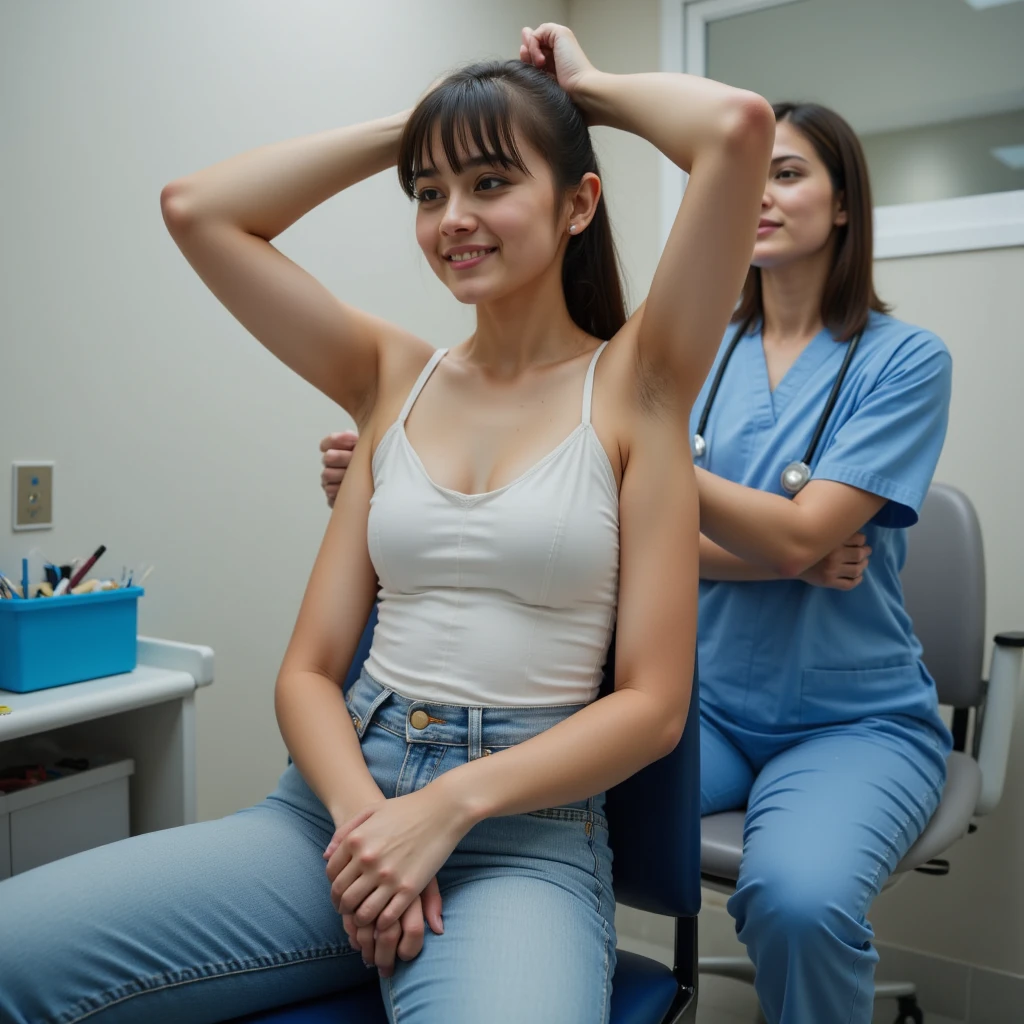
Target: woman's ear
[
  {"x": 840, "y": 218},
  {"x": 583, "y": 203}
]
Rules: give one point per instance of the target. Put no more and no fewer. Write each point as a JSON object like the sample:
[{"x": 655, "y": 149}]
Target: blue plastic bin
[{"x": 52, "y": 641}]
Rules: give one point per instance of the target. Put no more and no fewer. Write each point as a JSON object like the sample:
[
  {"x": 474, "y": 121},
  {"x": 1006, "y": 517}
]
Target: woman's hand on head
[
  {"x": 554, "y": 49},
  {"x": 843, "y": 568},
  {"x": 337, "y": 454}
]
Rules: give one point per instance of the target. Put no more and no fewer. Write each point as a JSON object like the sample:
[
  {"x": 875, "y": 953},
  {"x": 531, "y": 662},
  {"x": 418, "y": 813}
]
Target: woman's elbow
[
  {"x": 750, "y": 123},
  {"x": 668, "y": 732},
  {"x": 177, "y": 207}
]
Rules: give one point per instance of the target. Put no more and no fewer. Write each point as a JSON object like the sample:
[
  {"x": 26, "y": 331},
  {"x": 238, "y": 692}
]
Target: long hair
[
  {"x": 483, "y": 105},
  {"x": 849, "y": 294}
]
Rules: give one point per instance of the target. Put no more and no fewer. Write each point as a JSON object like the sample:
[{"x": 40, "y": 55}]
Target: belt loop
[
  {"x": 362, "y": 722},
  {"x": 475, "y": 730}
]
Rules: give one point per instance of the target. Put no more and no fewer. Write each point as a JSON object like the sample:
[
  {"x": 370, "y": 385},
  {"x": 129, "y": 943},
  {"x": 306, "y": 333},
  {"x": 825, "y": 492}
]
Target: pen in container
[{"x": 85, "y": 567}]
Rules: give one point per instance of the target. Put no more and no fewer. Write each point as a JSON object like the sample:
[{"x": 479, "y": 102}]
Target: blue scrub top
[{"x": 785, "y": 653}]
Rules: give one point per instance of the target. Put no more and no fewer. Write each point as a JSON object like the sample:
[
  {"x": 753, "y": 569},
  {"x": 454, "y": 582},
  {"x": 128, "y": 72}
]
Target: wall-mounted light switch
[{"x": 32, "y": 496}]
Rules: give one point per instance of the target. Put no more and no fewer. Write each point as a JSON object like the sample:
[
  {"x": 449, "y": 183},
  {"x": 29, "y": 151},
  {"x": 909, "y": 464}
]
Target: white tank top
[{"x": 502, "y": 598}]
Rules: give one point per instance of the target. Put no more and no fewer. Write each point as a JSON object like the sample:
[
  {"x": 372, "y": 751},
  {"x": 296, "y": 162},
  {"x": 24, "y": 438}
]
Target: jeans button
[{"x": 419, "y": 719}]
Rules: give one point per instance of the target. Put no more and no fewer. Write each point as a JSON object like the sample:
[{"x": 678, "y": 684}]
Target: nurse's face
[{"x": 799, "y": 209}]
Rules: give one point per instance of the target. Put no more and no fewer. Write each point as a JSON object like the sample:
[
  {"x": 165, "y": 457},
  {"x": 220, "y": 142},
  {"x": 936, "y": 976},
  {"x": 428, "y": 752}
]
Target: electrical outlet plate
[{"x": 32, "y": 496}]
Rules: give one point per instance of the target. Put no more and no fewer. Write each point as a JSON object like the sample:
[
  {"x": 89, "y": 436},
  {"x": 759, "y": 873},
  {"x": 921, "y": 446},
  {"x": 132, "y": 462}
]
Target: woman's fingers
[
  {"x": 367, "y": 945},
  {"x": 337, "y": 458},
  {"x": 348, "y": 922},
  {"x": 431, "y": 897},
  {"x": 371, "y": 904},
  {"x": 393, "y": 908},
  {"x": 411, "y": 926},
  {"x": 385, "y": 945},
  {"x": 351, "y": 888},
  {"x": 345, "y": 441}
]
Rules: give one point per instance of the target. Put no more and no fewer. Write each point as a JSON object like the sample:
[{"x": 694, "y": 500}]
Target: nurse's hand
[
  {"x": 337, "y": 454},
  {"x": 842, "y": 569}
]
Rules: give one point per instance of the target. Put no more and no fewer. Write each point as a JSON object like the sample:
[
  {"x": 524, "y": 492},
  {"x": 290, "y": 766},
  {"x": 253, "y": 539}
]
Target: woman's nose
[{"x": 458, "y": 217}]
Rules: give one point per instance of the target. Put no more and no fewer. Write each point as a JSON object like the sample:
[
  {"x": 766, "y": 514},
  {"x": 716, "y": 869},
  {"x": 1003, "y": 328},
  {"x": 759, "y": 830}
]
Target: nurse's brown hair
[{"x": 849, "y": 294}]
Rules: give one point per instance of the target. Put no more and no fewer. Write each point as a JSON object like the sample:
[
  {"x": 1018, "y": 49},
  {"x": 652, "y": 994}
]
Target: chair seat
[
  {"x": 643, "y": 990},
  {"x": 642, "y": 994},
  {"x": 953, "y": 815},
  {"x": 721, "y": 835}
]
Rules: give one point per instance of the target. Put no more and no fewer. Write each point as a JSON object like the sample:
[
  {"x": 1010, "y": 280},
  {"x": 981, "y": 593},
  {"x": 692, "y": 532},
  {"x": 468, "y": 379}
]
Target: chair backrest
[
  {"x": 654, "y": 824},
  {"x": 944, "y": 591},
  {"x": 654, "y": 817}
]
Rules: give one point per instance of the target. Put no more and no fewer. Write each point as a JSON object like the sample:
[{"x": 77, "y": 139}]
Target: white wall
[{"x": 177, "y": 440}]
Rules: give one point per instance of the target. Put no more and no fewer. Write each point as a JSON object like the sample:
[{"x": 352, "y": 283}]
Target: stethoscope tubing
[{"x": 796, "y": 474}]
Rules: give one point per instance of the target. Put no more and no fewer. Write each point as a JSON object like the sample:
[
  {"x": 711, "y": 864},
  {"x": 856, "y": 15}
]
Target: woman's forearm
[
  {"x": 718, "y": 564},
  {"x": 679, "y": 114},
  {"x": 587, "y": 753},
  {"x": 320, "y": 737},
  {"x": 266, "y": 190}
]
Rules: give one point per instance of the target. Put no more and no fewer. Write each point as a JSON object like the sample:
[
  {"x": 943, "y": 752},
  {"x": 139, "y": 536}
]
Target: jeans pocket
[
  {"x": 363, "y": 700},
  {"x": 579, "y": 813}
]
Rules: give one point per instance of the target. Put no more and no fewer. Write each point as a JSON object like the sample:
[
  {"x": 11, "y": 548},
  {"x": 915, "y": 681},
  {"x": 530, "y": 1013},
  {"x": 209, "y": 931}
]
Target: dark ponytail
[{"x": 482, "y": 105}]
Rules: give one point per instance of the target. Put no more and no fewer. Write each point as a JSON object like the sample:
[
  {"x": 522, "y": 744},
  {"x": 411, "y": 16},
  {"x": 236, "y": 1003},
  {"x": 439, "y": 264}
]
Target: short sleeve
[{"x": 891, "y": 443}]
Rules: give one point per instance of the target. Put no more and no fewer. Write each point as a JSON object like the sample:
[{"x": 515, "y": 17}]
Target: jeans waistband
[{"x": 423, "y": 721}]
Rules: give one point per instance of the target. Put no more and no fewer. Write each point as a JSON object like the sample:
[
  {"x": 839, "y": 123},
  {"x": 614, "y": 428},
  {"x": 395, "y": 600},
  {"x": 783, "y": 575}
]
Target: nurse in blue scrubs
[{"x": 817, "y": 714}]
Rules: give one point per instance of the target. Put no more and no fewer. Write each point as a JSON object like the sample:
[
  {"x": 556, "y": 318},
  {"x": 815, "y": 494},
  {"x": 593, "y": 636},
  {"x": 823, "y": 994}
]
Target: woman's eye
[
  {"x": 788, "y": 174},
  {"x": 488, "y": 184},
  {"x": 427, "y": 195}
]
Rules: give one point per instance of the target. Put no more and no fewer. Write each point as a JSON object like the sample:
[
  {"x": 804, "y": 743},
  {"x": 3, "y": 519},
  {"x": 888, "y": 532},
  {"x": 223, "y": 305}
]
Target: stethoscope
[{"x": 796, "y": 474}]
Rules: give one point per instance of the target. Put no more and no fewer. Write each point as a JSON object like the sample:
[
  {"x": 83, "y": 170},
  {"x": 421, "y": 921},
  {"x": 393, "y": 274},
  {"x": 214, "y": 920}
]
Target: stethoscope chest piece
[
  {"x": 795, "y": 477},
  {"x": 796, "y": 474}
]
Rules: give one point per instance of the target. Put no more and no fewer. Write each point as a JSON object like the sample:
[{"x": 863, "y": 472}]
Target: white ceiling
[{"x": 883, "y": 64}]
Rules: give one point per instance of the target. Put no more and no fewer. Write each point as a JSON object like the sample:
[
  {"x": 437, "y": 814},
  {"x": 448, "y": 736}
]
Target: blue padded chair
[{"x": 654, "y": 821}]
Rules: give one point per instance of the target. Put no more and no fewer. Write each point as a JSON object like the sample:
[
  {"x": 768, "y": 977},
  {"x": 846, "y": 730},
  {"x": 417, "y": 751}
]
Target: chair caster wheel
[{"x": 908, "y": 1012}]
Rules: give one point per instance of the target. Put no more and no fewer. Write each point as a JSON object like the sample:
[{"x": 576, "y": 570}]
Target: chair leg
[
  {"x": 684, "y": 1011},
  {"x": 908, "y": 1012}
]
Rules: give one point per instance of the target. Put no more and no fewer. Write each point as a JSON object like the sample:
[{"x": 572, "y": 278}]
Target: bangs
[{"x": 474, "y": 116}]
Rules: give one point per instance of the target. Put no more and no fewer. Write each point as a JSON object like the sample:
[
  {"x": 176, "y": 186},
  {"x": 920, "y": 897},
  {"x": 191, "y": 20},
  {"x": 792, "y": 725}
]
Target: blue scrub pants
[{"x": 830, "y": 812}]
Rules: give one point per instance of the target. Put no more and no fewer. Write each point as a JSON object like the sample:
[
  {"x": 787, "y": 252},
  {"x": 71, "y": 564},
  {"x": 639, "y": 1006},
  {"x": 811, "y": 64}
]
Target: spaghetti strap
[
  {"x": 421, "y": 380},
  {"x": 588, "y": 386}
]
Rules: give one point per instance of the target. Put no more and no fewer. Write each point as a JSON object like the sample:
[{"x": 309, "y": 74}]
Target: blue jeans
[
  {"x": 831, "y": 811},
  {"x": 214, "y": 920}
]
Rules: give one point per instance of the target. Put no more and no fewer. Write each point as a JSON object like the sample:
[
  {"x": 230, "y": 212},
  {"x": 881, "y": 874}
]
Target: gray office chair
[{"x": 944, "y": 589}]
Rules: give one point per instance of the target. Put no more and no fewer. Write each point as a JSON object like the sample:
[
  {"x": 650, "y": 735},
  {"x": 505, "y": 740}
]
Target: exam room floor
[{"x": 723, "y": 1001}]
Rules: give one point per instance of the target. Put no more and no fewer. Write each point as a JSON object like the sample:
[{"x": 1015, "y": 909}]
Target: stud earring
[{"x": 572, "y": 229}]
